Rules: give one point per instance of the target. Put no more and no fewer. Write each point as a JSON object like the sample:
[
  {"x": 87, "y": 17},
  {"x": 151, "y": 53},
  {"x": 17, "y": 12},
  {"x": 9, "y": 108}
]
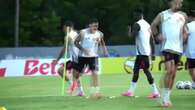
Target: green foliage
[{"x": 40, "y": 19}]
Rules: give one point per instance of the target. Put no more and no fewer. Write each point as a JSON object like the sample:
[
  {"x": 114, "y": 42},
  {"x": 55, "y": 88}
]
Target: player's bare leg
[
  {"x": 155, "y": 93},
  {"x": 67, "y": 77},
  {"x": 133, "y": 85},
  {"x": 76, "y": 85},
  {"x": 168, "y": 82},
  {"x": 77, "y": 81},
  {"x": 95, "y": 89},
  {"x": 73, "y": 80},
  {"x": 174, "y": 70}
]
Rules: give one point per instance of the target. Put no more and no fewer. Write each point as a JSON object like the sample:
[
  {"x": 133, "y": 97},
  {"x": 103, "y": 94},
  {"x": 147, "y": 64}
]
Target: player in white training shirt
[
  {"x": 171, "y": 23},
  {"x": 142, "y": 32},
  {"x": 89, "y": 41},
  {"x": 190, "y": 50},
  {"x": 71, "y": 64}
]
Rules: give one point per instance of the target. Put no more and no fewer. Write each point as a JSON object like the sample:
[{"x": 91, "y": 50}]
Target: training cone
[{"x": 2, "y": 108}]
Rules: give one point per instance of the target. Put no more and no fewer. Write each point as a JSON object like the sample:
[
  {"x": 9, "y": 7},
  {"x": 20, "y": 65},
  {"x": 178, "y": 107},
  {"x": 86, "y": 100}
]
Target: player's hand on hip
[
  {"x": 160, "y": 38},
  {"x": 54, "y": 61},
  {"x": 153, "y": 58},
  {"x": 86, "y": 51},
  {"x": 106, "y": 55}
]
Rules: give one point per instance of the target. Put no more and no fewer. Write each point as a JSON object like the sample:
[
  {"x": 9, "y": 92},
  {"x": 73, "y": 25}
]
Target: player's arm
[
  {"x": 152, "y": 44},
  {"x": 134, "y": 31},
  {"x": 77, "y": 42},
  {"x": 103, "y": 45},
  {"x": 185, "y": 30},
  {"x": 60, "y": 55},
  {"x": 185, "y": 33},
  {"x": 78, "y": 45},
  {"x": 155, "y": 27}
]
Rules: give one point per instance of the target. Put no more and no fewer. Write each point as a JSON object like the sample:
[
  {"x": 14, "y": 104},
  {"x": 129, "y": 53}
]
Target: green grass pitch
[{"x": 43, "y": 93}]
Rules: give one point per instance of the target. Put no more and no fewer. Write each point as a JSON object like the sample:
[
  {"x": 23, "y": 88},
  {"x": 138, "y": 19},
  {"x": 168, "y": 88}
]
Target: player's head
[
  {"x": 191, "y": 15},
  {"x": 175, "y": 5},
  {"x": 138, "y": 14},
  {"x": 68, "y": 25},
  {"x": 93, "y": 25}
]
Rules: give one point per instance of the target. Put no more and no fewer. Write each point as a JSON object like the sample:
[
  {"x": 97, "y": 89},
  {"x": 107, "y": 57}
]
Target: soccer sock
[
  {"x": 163, "y": 94},
  {"x": 132, "y": 87},
  {"x": 154, "y": 88},
  {"x": 80, "y": 89},
  {"x": 167, "y": 93}
]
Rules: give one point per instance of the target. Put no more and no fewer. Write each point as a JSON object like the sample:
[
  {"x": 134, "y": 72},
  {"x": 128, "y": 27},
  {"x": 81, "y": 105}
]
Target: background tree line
[{"x": 40, "y": 19}]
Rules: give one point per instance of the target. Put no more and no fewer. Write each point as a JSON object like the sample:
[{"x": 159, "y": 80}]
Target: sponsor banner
[
  {"x": 118, "y": 65},
  {"x": 29, "y": 67},
  {"x": 45, "y": 67},
  {"x": 33, "y": 67}
]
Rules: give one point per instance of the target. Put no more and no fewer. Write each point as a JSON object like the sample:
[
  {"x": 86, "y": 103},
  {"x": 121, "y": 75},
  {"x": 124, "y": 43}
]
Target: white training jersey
[
  {"x": 172, "y": 24},
  {"x": 90, "y": 42},
  {"x": 190, "y": 50},
  {"x": 73, "y": 51},
  {"x": 143, "y": 46}
]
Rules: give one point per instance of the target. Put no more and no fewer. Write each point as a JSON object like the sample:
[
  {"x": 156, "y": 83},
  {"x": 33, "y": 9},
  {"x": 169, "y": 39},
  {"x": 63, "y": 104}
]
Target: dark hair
[
  {"x": 93, "y": 20},
  {"x": 191, "y": 13},
  {"x": 68, "y": 23},
  {"x": 169, "y": 0},
  {"x": 139, "y": 11}
]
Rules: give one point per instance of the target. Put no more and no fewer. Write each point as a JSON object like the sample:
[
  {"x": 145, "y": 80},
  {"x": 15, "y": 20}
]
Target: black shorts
[
  {"x": 191, "y": 63},
  {"x": 171, "y": 56},
  {"x": 142, "y": 62},
  {"x": 71, "y": 65},
  {"x": 91, "y": 62}
]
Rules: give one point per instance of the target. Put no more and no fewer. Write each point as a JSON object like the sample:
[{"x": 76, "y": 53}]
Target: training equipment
[
  {"x": 187, "y": 85},
  {"x": 180, "y": 85},
  {"x": 128, "y": 94},
  {"x": 193, "y": 85},
  {"x": 129, "y": 65},
  {"x": 2, "y": 108},
  {"x": 112, "y": 97},
  {"x": 184, "y": 85},
  {"x": 65, "y": 57}
]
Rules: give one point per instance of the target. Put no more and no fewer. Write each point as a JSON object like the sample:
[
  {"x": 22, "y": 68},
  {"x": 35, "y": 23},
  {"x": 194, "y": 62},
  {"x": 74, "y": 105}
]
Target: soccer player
[
  {"x": 190, "y": 50},
  {"x": 89, "y": 40},
  {"x": 142, "y": 33},
  {"x": 71, "y": 64},
  {"x": 172, "y": 24}
]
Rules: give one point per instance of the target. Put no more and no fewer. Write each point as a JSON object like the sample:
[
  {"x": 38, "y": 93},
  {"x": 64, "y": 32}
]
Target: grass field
[{"x": 43, "y": 93}]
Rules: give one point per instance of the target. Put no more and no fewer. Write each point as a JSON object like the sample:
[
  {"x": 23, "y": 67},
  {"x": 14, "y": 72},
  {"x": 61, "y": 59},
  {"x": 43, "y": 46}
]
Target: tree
[{"x": 40, "y": 20}]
